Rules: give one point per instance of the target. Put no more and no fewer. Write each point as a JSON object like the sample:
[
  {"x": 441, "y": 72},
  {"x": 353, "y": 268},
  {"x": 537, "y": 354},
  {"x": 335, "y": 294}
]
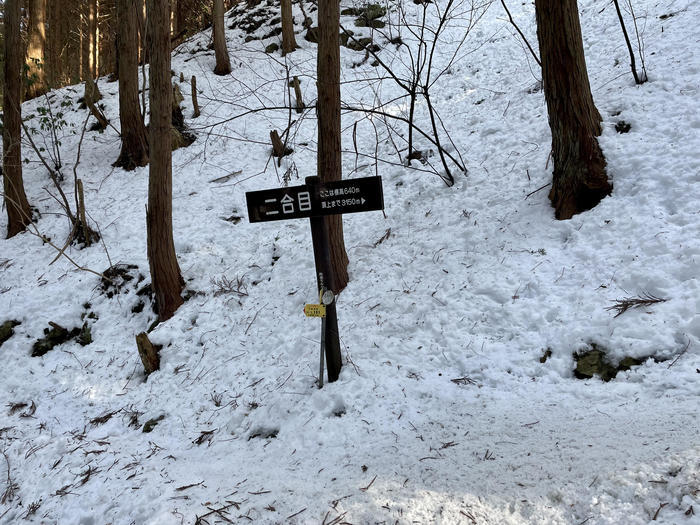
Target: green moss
[
  {"x": 7, "y": 330},
  {"x": 595, "y": 363},
  {"x": 151, "y": 424}
]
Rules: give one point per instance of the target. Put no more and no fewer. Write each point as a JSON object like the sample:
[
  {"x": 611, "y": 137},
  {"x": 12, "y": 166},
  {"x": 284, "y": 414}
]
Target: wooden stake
[
  {"x": 81, "y": 211},
  {"x": 195, "y": 105}
]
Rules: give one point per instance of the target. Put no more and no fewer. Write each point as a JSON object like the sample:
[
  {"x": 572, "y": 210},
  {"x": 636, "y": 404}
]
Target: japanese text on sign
[
  {"x": 303, "y": 202},
  {"x": 337, "y": 192},
  {"x": 315, "y": 310}
]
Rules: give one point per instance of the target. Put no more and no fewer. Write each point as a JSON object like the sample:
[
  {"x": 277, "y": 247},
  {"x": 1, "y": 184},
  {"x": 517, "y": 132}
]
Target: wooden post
[
  {"x": 324, "y": 278},
  {"x": 195, "y": 105}
]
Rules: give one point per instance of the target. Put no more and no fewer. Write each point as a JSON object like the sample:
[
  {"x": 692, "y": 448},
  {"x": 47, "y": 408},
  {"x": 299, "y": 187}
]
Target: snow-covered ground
[{"x": 444, "y": 411}]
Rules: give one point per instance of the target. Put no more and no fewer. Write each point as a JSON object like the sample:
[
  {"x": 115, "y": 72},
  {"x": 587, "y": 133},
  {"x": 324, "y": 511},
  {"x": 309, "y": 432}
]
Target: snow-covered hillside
[{"x": 457, "y": 402}]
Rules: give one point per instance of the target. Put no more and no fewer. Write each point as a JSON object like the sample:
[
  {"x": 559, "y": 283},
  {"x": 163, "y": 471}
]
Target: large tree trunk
[
  {"x": 166, "y": 280},
  {"x": 36, "y": 43},
  {"x": 223, "y": 65},
  {"x": 289, "y": 43},
  {"x": 329, "y": 165},
  {"x": 19, "y": 214},
  {"x": 580, "y": 180},
  {"x": 134, "y": 142}
]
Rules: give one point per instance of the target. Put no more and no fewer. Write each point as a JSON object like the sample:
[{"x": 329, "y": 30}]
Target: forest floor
[{"x": 460, "y": 329}]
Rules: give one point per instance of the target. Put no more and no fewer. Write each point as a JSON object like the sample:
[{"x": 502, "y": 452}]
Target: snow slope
[{"x": 444, "y": 411}]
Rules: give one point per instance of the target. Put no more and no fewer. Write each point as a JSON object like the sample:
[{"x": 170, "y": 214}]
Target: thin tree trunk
[
  {"x": 289, "y": 43},
  {"x": 107, "y": 25},
  {"x": 19, "y": 214},
  {"x": 580, "y": 180},
  {"x": 143, "y": 33},
  {"x": 36, "y": 43},
  {"x": 52, "y": 47},
  {"x": 72, "y": 56},
  {"x": 181, "y": 16},
  {"x": 223, "y": 64},
  {"x": 166, "y": 279},
  {"x": 94, "y": 39},
  {"x": 89, "y": 40},
  {"x": 329, "y": 164},
  {"x": 134, "y": 150}
]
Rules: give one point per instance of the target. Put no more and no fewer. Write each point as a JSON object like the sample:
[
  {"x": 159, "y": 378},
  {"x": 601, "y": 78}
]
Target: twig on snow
[{"x": 644, "y": 299}]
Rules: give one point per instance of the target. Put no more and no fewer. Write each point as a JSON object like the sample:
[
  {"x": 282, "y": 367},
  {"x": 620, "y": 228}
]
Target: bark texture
[
  {"x": 289, "y": 43},
  {"x": 329, "y": 163},
  {"x": 223, "y": 64},
  {"x": 166, "y": 279},
  {"x": 580, "y": 180},
  {"x": 18, "y": 211},
  {"x": 134, "y": 150},
  {"x": 36, "y": 43}
]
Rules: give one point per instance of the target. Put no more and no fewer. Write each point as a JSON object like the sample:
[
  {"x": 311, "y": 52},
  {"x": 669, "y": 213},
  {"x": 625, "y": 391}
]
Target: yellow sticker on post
[{"x": 315, "y": 310}]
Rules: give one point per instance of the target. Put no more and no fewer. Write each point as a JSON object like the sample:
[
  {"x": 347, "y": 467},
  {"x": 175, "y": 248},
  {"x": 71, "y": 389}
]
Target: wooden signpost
[{"x": 316, "y": 200}]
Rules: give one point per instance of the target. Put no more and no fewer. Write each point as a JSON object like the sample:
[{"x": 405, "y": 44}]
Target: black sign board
[{"x": 329, "y": 198}]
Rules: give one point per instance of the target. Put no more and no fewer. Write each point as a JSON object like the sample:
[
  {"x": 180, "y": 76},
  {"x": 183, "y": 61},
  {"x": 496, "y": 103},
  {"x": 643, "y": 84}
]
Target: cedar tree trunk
[
  {"x": 19, "y": 214},
  {"x": 289, "y": 43},
  {"x": 223, "y": 65},
  {"x": 133, "y": 133},
  {"x": 36, "y": 43},
  {"x": 166, "y": 280},
  {"x": 580, "y": 180},
  {"x": 329, "y": 163}
]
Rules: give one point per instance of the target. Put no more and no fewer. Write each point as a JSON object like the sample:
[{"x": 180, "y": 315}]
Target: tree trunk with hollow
[
  {"x": 166, "y": 279},
  {"x": 329, "y": 164},
  {"x": 223, "y": 64},
  {"x": 134, "y": 150},
  {"x": 580, "y": 180},
  {"x": 19, "y": 214},
  {"x": 289, "y": 43},
  {"x": 36, "y": 43}
]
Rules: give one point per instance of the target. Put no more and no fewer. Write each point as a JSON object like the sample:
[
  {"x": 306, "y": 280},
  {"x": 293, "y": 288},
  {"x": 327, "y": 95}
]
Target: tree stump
[
  {"x": 278, "y": 148},
  {"x": 92, "y": 93},
  {"x": 102, "y": 121},
  {"x": 297, "y": 95},
  {"x": 148, "y": 353}
]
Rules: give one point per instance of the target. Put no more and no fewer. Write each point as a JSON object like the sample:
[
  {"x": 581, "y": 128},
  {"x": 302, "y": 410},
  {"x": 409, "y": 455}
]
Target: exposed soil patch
[{"x": 57, "y": 335}]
